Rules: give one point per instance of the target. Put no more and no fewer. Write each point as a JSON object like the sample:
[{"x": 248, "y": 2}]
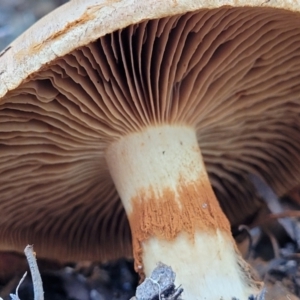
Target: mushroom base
[
  {"x": 174, "y": 215},
  {"x": 207, "y": 267}
]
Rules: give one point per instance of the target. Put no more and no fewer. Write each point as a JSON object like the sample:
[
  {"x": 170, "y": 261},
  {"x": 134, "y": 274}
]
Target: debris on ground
[
  {"x": 35, "y": 274},
  {"x": 81, "y": 281},
  {"x": 274, "y": 247},
  {"x": 159, "y": 286}
]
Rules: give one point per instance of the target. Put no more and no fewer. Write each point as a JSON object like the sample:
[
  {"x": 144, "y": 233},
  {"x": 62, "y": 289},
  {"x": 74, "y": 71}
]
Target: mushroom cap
[{"x": 94, "y": 71}]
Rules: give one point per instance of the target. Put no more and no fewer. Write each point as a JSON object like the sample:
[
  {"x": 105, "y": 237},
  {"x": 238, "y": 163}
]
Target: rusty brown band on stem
[{"x": 192, "y": 207}]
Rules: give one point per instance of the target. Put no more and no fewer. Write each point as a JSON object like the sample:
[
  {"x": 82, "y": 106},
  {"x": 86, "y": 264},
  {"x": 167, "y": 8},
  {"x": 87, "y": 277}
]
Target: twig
[
  {"x": 20, "y": 282},
  {"x": 249, "y": 235},
  {"x": 274, "y": 242},
  {"x": 278, "y": 212},
  {"x": 282, "y": 215},
  {"x": 16, "y": 295},
  {"x": 294, "y": 256},
  {"x": 35, "y": 274}
]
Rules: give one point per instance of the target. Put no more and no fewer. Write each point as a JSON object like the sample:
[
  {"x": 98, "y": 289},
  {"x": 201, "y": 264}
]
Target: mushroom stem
[{"x": 174, "y": 215}]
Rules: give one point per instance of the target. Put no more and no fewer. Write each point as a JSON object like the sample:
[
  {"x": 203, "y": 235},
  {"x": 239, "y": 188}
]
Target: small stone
[{"x": 160, "y": 285}]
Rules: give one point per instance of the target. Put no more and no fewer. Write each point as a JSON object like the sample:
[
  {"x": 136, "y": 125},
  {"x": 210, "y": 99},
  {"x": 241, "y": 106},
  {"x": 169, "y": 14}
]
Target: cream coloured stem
[{"x": 174, "y": 215}]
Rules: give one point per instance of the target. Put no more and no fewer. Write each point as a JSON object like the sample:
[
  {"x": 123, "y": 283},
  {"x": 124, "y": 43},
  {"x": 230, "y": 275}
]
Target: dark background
[{"x": 18, "y": 15}]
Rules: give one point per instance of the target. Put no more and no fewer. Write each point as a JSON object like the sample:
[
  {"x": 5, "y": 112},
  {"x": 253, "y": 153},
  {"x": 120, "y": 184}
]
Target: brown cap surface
[{"x": 71, "y": 87}]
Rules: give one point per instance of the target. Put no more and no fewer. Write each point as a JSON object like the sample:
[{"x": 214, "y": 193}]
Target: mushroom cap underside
[{"x": 232, "y": 73}]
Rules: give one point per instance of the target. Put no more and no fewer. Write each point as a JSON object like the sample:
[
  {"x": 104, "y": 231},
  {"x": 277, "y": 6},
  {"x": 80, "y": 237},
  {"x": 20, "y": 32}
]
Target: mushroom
[{"x": 152, "y": 101}]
